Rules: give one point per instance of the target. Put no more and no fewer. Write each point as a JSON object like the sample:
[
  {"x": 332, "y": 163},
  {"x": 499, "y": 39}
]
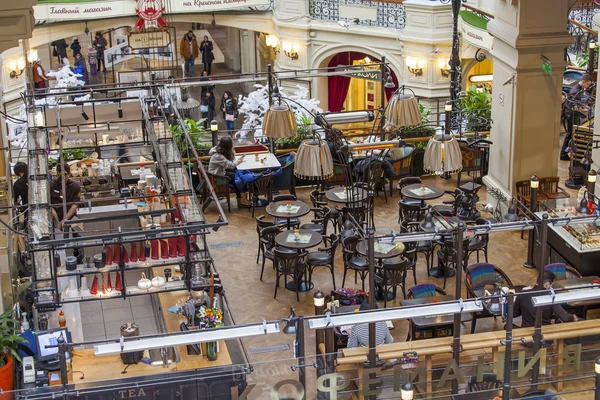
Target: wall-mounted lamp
[
  {"x": 415, "y": 65},
  {"x": 272, "y": 42},
  {"x": 16, "y": 67},
  {"x": 290, "y": 49},
  {"x": 443, "y": 63}
]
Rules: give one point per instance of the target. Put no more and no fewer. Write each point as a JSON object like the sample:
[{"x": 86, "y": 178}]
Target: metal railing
[{"x": 389, "y": 15}]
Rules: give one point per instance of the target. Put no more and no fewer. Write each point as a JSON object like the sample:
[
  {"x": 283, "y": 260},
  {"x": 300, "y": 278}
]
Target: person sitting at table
[
  {"x": 359, "y": 335},
  {"x": 524, "y": 306},
  {"x": 223, "y": 163}
]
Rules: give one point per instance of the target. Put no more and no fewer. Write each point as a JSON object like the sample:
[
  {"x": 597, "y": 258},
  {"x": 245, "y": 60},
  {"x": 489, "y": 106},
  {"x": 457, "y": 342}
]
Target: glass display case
[{"x": 576, "y": 244}]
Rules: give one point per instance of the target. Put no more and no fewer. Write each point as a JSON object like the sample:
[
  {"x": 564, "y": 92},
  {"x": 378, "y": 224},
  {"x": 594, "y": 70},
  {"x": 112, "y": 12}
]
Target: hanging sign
[
  {"x": 149, "y": 40},
  {"x": 475, "y": 35},
  {"x": 150, "y": 12},
  {"x": 369, "y": 74}
]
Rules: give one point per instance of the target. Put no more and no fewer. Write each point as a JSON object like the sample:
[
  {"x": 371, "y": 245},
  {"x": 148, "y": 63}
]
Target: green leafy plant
[
  {"x": 421, "y": 145},
  {"x": 583, "y": 58},
  {"x": 196, "y": 132},
  {"x": 9, "y": 339},
  {"x": 303, "y": 132},
  {"x": 477, "y": 109}
]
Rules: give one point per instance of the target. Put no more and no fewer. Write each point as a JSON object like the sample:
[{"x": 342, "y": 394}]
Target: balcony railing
[{"x": 389, "y": 15}]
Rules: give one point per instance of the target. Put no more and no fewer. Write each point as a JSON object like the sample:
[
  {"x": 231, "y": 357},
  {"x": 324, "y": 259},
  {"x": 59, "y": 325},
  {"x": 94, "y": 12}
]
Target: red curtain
[{"x": 338, "y": 85}]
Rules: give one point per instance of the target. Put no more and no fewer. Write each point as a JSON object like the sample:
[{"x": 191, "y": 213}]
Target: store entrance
[{"x": 358, "y": 91}]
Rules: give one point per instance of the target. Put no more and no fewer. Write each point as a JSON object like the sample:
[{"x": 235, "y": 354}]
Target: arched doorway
[
  {"x": 478, "y": 72},
  {"x": 348, "y": 93}
]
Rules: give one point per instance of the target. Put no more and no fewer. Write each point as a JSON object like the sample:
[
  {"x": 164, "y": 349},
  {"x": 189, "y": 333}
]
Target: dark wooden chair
[
  {"x": 583, "y": 139},
  {"x": 472, "y": 160},
  {"x": 403, "y": 166},
  {"x": 375, "y": 177},
  {"x": 562, "y": 271},
  {"x": 426, "y": 247},
  {"x": 289, "y": 263},
  {"x": 477, "y": 277},
  {"x": 285, "y": 180},
  {"x": 550, "y": 189},
  {"x": 267, "y": 241},
  {"x": 424, "y": 290},
  {"x": 353, "y": 261},
  {"x": 261, "y": 223},
  {"x": 490, "y": 381},
  {"x": 220, "y": 184},
  {"x": 392, "y": 274},
  {"x": 410, "y": 212},
  {"x": 479, "y": 242},
  {"x": 324, "y": 257},
  {"x": 263, "y": 186},
  {"x": 340, "y": 176},
  {"x": 411, "y": 180},
  {"x": 449, "y": 208},
  {"x": 447, "y": 257}
]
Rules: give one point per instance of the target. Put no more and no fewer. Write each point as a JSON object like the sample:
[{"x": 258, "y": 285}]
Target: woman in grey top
[{"x": 223, "y": 162}]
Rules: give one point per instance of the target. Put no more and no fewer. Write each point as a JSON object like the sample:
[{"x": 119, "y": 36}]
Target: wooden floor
[{"x": 234, "y": 248}]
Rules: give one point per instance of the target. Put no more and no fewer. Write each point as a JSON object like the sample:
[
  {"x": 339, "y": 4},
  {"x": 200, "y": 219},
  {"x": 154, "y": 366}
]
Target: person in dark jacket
[
  {"x": 21, "y": 187},
  {"x": 61, "y": 49},
  {"x": 188, "y": 49},
  {"x": 577, "y": 95},
  {"x": 229, "y": 108},
  {"x": 206, "y": 48},
  {"x": 525, "y": 309},
  {"x": 75, "y": 47},
  {"x": 209, "y": 102},
  {"x": 99, "y": 43}
]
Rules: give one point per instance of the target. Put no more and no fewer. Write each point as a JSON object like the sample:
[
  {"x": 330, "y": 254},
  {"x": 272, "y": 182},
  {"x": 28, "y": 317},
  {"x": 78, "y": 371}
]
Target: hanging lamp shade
[
  {"x": 443, "y": 155},
  {"x": 279, "y": 122},
  {"x": 313, "y": 160},
  {"x": 403, "y": 110}
]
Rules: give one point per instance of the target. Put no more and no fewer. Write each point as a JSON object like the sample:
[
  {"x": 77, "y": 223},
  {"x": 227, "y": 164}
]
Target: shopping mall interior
[{"x": 324, "y": 199}]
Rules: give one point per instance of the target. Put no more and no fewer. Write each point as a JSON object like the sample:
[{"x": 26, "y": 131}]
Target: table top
[
  {"x": 250, "y": 164},
  {"x": 336, "y": 194},
  {"x": 496, "y": 310},
  {"x": 382, "y": 250},
  {"x": 438, "y": 320},
  {"x": 442, "y": 223},
  {"x": 308, "y": 239},
  {"x": 470, "y": 187},
  {"x": 303, "y": 209},
  {"x": 578, "y": 284},
  {"x": 415, "y": 191}
]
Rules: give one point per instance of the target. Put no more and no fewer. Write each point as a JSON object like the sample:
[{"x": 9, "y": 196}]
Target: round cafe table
[
  {"x": 337, "y": 194},
  {"x": 420, "y": 192},
  {"x": 362, "y": 248},
  {"x": 307, "y": 240},
  {"x": 279, "y": 209}
]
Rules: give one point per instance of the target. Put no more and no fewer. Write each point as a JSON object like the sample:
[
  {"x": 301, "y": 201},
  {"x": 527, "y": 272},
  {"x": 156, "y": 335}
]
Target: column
[{"x": 526, "y": 100}]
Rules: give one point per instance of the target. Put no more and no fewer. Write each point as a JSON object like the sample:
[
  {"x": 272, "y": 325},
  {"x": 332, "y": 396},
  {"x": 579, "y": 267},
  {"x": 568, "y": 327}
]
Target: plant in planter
[
  {"x": 477, "y": 109},
  {"x": 304, "y": 132},
  {"x": 210, "y": 318},
  {"x": 420, "y": 130},
  {"x": 195, "y": 130},
  {"x": 9, "y": 341}
]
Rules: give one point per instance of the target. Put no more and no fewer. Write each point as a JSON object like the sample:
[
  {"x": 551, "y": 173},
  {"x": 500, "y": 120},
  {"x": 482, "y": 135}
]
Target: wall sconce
[
  {"x": 272, "y": 42},
  {"x": 443, "y": 63},
  {"x": 16, "y": 67},
  {"x": 415, "y": 65},
  {"x": 290, "y": 49}
]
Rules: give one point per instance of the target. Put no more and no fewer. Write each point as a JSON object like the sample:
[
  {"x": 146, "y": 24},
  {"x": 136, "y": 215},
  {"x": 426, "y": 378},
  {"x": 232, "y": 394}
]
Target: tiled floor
[{"x": 102, "y": 319}]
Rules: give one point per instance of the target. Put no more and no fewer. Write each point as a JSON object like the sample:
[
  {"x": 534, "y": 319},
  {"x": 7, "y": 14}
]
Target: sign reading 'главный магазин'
[{"x": 81, "y": 10}]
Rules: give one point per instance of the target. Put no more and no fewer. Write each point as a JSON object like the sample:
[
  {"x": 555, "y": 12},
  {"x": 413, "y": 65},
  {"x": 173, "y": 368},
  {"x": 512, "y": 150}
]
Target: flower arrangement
[{"x": 210, "y": 317}]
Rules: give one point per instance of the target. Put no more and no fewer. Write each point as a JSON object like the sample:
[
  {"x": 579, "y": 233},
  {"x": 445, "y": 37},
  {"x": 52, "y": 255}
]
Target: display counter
[{"x": 577, "y": 245}]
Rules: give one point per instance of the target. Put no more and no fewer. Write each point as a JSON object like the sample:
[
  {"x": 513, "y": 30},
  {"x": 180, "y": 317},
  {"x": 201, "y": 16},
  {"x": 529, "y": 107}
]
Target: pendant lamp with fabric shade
[
  {"x": 279, "y": 122},
  {"x": 403, "y": 110},
  {"x": 313, "y": 160},
  {"x": 443, "y": 155}
]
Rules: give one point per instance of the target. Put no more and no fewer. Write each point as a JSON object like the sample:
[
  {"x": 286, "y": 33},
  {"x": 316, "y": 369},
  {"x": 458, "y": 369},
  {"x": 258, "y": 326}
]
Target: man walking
[{"x": 189, "y": 51}]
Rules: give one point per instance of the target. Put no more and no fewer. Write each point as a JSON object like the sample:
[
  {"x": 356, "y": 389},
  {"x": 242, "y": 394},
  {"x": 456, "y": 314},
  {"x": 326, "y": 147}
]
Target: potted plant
[
  {"x": 9, "y": 341},
  {"x": 195, "y": 131},
  {"x": 210, "y": 317},
  {"x": 477, "y": 109},
  {"x": 418, "y": 159}
]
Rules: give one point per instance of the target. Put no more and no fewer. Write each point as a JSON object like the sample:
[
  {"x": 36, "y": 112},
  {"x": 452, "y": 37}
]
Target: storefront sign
[
  {"x": 149, "y": 40},
  {"x": 150, "y": 13},
  {"x": 474, "y": 35},
  {"x": 368, "y": 74},
  {"x": 83, "y": 10}
]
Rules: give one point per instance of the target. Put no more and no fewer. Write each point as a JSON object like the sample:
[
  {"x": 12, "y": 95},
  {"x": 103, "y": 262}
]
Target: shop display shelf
[
  {"x": 82, "y": 269},
  {"x": 170, "y": 286}
]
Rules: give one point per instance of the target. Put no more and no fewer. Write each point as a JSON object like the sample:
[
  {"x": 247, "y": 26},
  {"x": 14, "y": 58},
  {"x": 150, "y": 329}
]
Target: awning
[{"x": 474, "y": 30}]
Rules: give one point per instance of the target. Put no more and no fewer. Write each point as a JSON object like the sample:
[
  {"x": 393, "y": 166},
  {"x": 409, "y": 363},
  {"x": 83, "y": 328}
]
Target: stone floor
[{"x": 251, "y": 300}]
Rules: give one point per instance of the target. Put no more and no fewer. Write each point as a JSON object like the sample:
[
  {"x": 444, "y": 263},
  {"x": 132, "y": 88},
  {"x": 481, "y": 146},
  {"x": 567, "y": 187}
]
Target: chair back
[
  {"x": 558, "y": 269},
  {"x": 524, "y": 188},
  {"x": 316, "y": 198},
  {"x": 410, "y": 180},
  {"x": 481, "y": 275},
  {"x": 284, "y": 197},
  {"x": 340, "y": 177},
  {"x": 374, "y": 173},
  {"x": 267, "y": 236},
  {"x": 261, "y": 223},
  {"x": 394, "y": 272},
  {"x": 219, "y": 183},
  {"x": 349, "y": 246},
  {"x": 411, "y": 212},
  {"x": 549, "y": 184},
  {"x": 484, "y": 237},
  {"x": 471, "y": 158},
  {"x": 423, "y": 290},
  {"x": 285, "y": 180},
  {"x": 331, "y": 244},
  {"x": 289, "y": 262},
  {"x": 403, "y": 165},
  {"x": 263, "y": 186},
  {"x": 490, "y": 381},
  {"x": 449, "y": 250}
]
